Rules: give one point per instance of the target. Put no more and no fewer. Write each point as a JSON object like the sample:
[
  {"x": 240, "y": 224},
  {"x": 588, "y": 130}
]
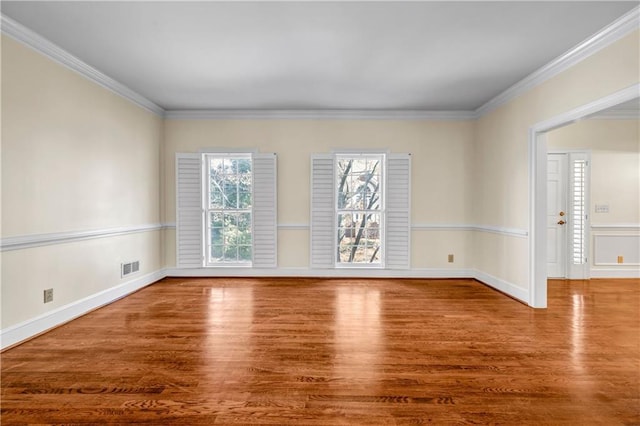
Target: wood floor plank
[{"x": 330, "y": 352}]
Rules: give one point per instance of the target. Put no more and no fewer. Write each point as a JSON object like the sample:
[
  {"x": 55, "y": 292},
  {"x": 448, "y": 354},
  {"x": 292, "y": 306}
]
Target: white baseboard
[
  {"x": 615, "y": 273},
  {"x": 502, "y": 285},
  {"x": 34, "y": 326},
  {"x": 321, "y": 273}
]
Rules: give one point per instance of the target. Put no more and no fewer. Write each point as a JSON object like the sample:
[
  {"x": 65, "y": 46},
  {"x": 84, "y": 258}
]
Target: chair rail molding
[{"x": 36, "y": 240}]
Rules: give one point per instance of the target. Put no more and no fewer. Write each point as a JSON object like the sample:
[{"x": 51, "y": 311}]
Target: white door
[{"x": 557, "y": 186}]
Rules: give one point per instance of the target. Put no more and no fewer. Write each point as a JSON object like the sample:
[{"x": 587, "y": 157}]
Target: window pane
[
  {"x": 216, "y": 252},
  {"x": 358, "y": 183},
  {"x": 244, "y": 253},
  {"x": 359, "y": 238}
]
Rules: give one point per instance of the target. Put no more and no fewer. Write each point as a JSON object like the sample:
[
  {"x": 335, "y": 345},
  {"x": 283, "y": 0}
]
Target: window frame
[
  {"x": 337, "y": 211},
  {"x": 207, "y": 210}
]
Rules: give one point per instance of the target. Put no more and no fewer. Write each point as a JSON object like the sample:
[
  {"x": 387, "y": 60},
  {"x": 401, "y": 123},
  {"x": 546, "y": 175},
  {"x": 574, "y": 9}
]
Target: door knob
[
  {"x": 561, "y": 213},
  {"x": 561, "y": 222}
]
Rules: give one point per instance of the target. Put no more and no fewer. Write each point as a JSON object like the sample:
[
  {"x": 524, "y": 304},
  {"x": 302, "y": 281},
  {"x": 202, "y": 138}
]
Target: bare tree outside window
[{"x": 359, "y": 209}]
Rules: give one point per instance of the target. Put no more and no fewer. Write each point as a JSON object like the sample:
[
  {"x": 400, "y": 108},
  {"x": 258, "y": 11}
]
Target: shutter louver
[
  {"x": 323, "y": 243},
  {"x": 265, "y": 207},
  {"x": 398, "y": 228},
  {"x": 189, "y": 216}
]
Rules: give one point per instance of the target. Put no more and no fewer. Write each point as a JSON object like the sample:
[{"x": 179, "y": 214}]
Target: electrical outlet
[
  {"x": 48, "y": 295},
  {"x": 450, "y": 258},
  {"x": 620, "y": 259}
]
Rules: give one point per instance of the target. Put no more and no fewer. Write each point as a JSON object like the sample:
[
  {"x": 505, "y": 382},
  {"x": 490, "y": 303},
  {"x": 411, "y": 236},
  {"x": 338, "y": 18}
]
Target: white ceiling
[{"x": 317, "y": 55}]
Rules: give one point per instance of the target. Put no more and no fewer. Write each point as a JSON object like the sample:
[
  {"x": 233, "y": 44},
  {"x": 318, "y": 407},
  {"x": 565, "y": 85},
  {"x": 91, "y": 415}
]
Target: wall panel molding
[
  {"x": 615, "y": 226},
  {"x": 37, "y": 240}
]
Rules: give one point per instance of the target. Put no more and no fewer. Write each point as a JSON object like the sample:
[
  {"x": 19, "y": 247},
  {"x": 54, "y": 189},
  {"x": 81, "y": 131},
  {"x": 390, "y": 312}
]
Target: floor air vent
[{"x": 129, "y": 268}]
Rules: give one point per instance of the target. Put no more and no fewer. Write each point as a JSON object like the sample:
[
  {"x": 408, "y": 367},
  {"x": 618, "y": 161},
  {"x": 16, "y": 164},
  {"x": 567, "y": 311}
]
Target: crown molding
[
  {"x": 40, "y": 44},
  {"x": 605, "y": 37},
  {"x": 608, "y": 35},
  {"x": 319, "y": 114}
]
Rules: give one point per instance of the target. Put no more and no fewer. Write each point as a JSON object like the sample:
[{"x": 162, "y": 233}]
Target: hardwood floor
[{"x": 331, "y": 352}]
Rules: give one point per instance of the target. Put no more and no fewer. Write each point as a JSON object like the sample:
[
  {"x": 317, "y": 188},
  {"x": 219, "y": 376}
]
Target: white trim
[
  {"x": 616, "y": 226},
  {"x": 615, "y": 273},
  {"x": 538, "y": 185},
  {"x": 323, "y": 273},
  {"x": 36, "y": 240},
  {"x": 441, "y": 227},
  {"x": 169, "y": 225},
  {"x": 426, "y": 273},
  {"x": 616, "y": 98},
  {"x": 40, "y": 44},
  {"x": 293, "y": 226},
  {"x": 606, "y": 36},
  {"x": 24, "y": 330},
  {"x": 617, "y": 114},
  {"x": 32, "y": 327},
  {"x": 512, "y": 232},
  {"x": 502, "y": 285},
  {"x": 319, "y": 114}
]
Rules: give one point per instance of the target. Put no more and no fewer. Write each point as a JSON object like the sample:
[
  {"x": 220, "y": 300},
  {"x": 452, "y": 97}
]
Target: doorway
[{"x": 538, "y": 186}]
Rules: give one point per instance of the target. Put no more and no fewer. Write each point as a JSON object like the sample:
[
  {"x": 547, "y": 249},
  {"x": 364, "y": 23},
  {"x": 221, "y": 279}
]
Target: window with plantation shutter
[
  {"x": 360, "y": 205},
  {"x": 226, "y": 210}
]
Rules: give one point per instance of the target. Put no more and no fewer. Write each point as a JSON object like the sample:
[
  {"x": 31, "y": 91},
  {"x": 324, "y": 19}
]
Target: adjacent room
[{"x": 320, "y": 212}]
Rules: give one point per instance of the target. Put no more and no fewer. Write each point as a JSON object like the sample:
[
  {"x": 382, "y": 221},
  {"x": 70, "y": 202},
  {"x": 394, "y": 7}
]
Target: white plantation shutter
[
  {"x": 265, "y": 206},
  {"x": 323, "y": 241},
  {"x": 398, "y": 226},
  {"x": 577, "y": 220},
  {"x": 189, "y": 213}
]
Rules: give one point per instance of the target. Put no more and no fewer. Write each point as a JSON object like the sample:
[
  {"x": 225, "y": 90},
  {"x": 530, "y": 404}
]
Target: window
[
  {"x": 359, "y": 209},
  {"x": 226, "y": 209}
]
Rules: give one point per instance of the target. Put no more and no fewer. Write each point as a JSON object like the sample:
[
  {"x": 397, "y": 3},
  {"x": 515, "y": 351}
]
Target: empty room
[{"x": 320, "y": 213}]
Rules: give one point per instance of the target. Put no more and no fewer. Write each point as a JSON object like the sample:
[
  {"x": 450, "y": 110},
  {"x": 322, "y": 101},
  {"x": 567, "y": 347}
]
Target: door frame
[
  {"x": 538, "y": 186},
  {"x": 569, "y": 268}
]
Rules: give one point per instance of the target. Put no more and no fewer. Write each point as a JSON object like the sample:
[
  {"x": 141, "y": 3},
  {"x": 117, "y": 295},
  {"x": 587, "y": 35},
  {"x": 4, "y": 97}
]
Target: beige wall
[
  {"x": 75, "y": 157},
  {"x": 501, "y": 186},
  {"x": 441, "y": 156}
]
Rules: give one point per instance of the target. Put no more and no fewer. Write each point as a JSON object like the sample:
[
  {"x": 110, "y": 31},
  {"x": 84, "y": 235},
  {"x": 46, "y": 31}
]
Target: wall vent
[{"x": 129, "y": 268}]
